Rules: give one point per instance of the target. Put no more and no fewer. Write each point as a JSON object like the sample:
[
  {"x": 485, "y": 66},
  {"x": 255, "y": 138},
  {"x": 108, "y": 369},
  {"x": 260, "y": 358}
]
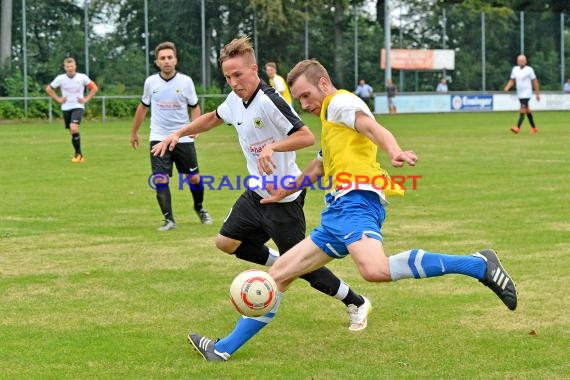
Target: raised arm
[{"x": 384, "y": 139}]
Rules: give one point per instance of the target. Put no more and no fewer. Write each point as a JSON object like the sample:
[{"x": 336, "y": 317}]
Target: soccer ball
[{"x": 253, "y": 293}]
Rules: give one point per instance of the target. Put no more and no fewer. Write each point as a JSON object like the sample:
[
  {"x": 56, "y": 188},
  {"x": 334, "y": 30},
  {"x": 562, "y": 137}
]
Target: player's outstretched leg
[
  {"x": 483, "y": 265},
  {"x": 244, "y": 330},
  {"x": 206, "y": 348},
  {"x": 497, "y": 278}
]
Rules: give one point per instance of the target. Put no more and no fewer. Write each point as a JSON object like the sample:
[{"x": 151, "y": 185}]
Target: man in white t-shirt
[
  {"x": 169, "y": 94},
  {"x": 269, "y": 132},
  {"x": 72, "y": 101},
  {"x": 525, "y": 80}
]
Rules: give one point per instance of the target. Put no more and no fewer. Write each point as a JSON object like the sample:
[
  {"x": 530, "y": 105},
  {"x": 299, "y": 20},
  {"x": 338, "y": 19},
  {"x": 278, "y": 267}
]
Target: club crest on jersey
[{"x": 258, "y": 122}]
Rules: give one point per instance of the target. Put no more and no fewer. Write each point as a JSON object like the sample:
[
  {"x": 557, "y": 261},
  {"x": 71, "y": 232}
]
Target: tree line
[{"x": 345, "y": 35}]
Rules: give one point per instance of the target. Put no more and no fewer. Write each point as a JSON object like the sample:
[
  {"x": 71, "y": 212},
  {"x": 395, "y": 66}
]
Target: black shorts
[
  {"x": 250, "y": 220},
  {"x": 183, "y": 155},
  {"x": 72, "y": 116},
  {"x": 524, "y": 102}
]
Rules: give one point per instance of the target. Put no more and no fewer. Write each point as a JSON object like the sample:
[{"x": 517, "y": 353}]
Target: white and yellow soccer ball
[{"x": 253, "y": 293}]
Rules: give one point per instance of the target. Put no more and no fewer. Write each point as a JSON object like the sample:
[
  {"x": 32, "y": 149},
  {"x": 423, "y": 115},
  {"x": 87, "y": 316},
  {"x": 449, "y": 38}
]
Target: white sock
[{"x": 273, "y": 255}]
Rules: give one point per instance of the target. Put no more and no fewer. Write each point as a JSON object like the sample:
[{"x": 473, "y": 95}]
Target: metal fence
[{"x": 486, "y": 45}]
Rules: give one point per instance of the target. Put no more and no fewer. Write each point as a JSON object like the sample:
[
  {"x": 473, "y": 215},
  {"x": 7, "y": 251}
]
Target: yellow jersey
[{"x": 349, "y": 157}]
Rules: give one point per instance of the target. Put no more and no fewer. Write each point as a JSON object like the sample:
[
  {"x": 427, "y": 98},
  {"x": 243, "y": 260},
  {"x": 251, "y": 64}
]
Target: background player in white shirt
[
  {"x": 269, "y": 132},
  {"x": 525, "y": 79},
  {"x": 72, "y": 100},
  {"x": 169, "y": 94}
]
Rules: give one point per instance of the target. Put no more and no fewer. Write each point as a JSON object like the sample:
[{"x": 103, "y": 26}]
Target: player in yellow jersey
[
  {"x": 352, "y": 221},
  {"x": 277, "y": 82}
]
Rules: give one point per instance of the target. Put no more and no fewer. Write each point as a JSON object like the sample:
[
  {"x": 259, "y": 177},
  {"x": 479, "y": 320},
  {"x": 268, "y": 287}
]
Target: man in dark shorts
[
  {"x": 72, "y": 102},
  {"x": 169, "y": 94},
  {"x": 525, "y": 79},
  {"x": 269, "y": 132}
]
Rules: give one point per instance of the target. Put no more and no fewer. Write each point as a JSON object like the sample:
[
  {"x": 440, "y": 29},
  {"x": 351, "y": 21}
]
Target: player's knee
[
  {"x": 194, "y": 178},
  {"x": 226, "y": 245},
  {"x": 375, "y": 274}
]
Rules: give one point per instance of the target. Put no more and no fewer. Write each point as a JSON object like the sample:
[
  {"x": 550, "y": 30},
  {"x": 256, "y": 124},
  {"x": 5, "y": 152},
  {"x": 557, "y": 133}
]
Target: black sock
[
  {"x": 253, "y": 253},
  {"x": 326, "y": 282},
  {"x": 76, "y": 141},
  {"x": 198, "y": 195},
  {"x": 164, "y": 201},
  {"x": 521, "y": 118},
  {"x": 531, "y": 119}
]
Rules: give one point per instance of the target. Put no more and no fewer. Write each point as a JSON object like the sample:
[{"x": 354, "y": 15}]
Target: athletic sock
[
  {"x": 198, "y": 196},
  {"x": 347, "y": 295},
  {"x": 164, "y": 201},
  {"x": 521, "y": 118},
  {"x": 417, "y": 263},
  {"x": 76, "y": 141},
  {"x": 531, "y": 119},
  {"x": 254, "y": 253},
  {"x": 245, "y": 329}
]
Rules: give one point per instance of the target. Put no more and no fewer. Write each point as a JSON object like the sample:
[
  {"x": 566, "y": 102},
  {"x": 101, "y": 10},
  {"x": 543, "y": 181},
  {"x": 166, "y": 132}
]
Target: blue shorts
[{"x": 346, "y": 219}]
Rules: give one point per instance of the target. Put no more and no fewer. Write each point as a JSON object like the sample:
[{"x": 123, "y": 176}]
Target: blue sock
[
  {"x": 245, "y": 329},
  {"x": 417, "y": 263}
]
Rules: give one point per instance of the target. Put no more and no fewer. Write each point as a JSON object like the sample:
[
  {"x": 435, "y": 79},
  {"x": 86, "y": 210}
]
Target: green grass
[{"x": 90, "y": 290}]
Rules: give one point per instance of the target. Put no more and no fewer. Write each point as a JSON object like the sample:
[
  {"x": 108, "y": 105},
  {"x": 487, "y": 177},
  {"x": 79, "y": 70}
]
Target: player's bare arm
[
  {"x": 301, "y": 138},
  {"x": 384, "y": 139},
  {"x": 140, "y": 114},
  {"x": 509, "y": 84},
  {"x": 54, "y": 96},
  {"x": 202, "y": 124},
  {"x": 92, "y": 91},
  {"x": 313, "y": 171},
  {"x": 536, "y": 89}
]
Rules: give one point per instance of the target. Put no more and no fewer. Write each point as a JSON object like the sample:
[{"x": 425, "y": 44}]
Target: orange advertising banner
[
  {"x": 408, "y": 59},
  {"x": 414, "y": 59}
]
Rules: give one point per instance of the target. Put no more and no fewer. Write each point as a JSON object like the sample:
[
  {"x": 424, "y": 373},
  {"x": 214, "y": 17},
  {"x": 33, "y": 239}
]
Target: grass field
[{"x": 90, "y": 290}]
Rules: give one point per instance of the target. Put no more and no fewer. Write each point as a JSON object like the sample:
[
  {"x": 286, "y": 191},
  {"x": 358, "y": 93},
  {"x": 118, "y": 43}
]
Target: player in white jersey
[
  {"x": 169, "y": 94},
  {"x": 525, "y": 80},
  {"x": 269, "y": 132},
  {"x": 72, "y": 100}
]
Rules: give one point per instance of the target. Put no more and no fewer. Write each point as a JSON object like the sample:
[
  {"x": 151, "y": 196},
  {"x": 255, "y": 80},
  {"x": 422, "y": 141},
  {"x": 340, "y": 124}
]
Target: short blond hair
[
  {"x": 238, "y": 47},
  {"x": 311, "y": 69}
]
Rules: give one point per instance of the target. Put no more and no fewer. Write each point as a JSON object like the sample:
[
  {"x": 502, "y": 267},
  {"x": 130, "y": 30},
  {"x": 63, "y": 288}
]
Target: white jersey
[
  {"x": 72, "y": 88},
  {"x": 523, "y": 78},
  {"x": 168, "y": 101},
  {"x": 266, "y": 118}
]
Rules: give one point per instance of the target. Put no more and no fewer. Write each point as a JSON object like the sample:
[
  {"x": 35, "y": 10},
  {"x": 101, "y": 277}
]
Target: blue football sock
[
  {"x": 245, "y": 329},
  {"x": 417, "y": 263}
]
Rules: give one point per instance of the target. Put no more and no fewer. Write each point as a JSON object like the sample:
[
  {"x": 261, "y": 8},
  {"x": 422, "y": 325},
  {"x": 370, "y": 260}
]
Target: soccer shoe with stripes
[
  {"x": 359, "y": 315},
  {"x": 205, "y": 218},
  {"x": 206, "y": 348},
  {"x": 497, "y": 278}
]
